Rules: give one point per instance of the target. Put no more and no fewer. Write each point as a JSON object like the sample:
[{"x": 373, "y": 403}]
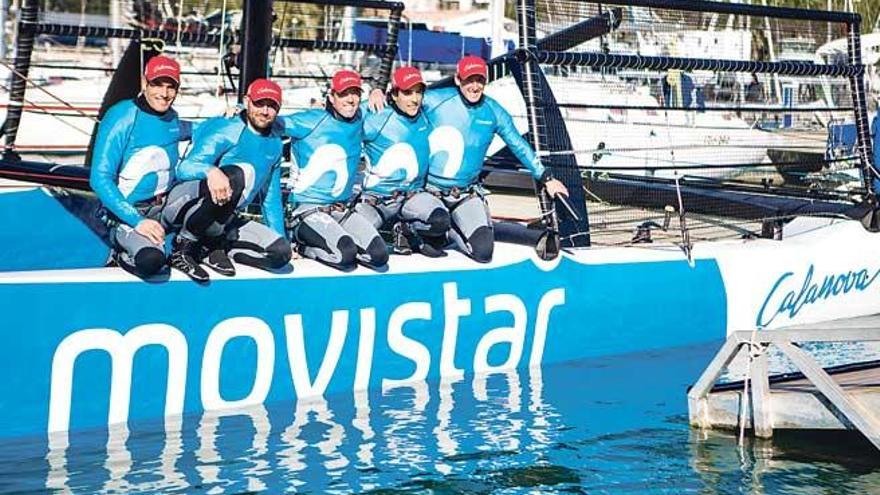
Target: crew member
[
  {"x": 132, "y": 167},
  {"x": 398, "y": 154},
  {"x": 465, "y": 121},
  {"x": 326, "y": 145},
  {"x": 233, "y": 161}
]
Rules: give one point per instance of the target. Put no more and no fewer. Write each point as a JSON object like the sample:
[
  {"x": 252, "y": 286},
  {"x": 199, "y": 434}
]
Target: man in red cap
[
  {"x": 132, "y": 167},
  {"x": 398, "y": 154},
  {"x": 465, "y": 122},
  {"x": 233, "y": 161},
  {"x": 326, "y": 146}
]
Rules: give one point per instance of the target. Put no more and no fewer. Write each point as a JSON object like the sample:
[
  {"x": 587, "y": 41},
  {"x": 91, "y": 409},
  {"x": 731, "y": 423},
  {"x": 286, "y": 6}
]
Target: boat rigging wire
[
  {"x": 221, "y": 53},
  {"x": 44, "y": 90}
]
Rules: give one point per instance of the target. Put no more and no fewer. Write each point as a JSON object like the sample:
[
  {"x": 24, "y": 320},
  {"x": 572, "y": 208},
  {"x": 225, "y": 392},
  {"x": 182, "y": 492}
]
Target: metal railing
[{"x": 757, "y": 344}]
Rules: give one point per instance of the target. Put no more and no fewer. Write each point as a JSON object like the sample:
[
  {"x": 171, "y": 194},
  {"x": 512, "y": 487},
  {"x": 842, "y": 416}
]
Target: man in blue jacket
[
  {"x": 465, "y": 122},
  {"x": 233, "y": 161},
  {"x": 326, "y": 146},
  {"x": 398, "y": 154},
  {"x": 132, "y": 167}
]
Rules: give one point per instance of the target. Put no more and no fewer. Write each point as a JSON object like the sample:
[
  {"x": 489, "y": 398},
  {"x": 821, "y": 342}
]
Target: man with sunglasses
[
  {"x": 398, "y": 154},
  {"x": 465, "y": 121},
  {"x": 132, "y": 167},
  {"x": 326, "y": 146},
  {"x": 233, "y": 161}
]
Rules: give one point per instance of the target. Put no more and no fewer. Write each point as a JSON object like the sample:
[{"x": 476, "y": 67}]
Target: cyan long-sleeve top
[
  {"x": 327, "y": 150},
  {"x": 462, "y": 135},
  {"x": 398, "y": 152},
  {"x": 225, "y": 141},
  {"x": 134, "y": 156}
]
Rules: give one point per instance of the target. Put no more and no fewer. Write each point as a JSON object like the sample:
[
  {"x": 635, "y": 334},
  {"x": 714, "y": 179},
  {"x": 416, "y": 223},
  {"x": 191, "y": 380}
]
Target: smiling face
[
  {"x": 409, "y": 101},
  {"x": 471, "y": 88},
  {"x": 346, "y": 103},
  {"x": 159, "y": 93},
  {"x": 261, "y": 113}
]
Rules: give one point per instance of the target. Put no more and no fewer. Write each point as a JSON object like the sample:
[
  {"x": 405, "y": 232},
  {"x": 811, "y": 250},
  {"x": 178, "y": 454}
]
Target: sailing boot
[
  {"x": 217, "y": 258},
  {"x": 184, "y": 258},
  {"x": 431, "y": 246},
  {"x": 401, "y": 235}
]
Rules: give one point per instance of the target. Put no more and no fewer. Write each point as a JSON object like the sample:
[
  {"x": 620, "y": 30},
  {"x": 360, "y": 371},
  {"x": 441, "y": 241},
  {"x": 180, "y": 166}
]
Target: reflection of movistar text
[
  {"x": 450, "y": 361},
  {"x": 786, "y": 298}
]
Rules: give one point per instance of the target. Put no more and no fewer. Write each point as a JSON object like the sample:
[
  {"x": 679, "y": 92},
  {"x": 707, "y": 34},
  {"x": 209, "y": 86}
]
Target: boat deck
[{"x": 613, "y": 225}]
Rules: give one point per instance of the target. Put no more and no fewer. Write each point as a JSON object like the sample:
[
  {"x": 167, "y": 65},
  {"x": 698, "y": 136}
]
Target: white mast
[
  {"x": 116, "y": 21},
  {"x": 4, "y": 8},
  {"x": 496, "y": 22}
]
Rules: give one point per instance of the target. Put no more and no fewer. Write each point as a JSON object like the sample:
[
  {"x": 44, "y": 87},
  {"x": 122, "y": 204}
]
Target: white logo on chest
[
  {"x": 448, "y": 139},
  {"x": 147, "y": 160},
  {"x": 400, "y": 156},
  {"x": 328, "y": 158}
]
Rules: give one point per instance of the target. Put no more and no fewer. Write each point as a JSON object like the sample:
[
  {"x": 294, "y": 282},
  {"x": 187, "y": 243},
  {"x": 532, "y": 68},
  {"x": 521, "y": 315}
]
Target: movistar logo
[
  {"x": 788, "y": 296},
  {"x": 374, "y": 331}
]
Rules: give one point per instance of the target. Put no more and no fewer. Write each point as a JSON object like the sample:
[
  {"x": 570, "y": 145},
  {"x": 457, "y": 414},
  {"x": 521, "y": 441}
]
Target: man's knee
[
  {"x": 438, "y": 221},
  {"x": 236, "y": 178},
  {"x": 377, "y": 251},
  {"x": 482, "y": 244},
  {"x": 149, "y": 261},
  {"x": 278, "y": 253},
  {"x": 347, "y": 250}
]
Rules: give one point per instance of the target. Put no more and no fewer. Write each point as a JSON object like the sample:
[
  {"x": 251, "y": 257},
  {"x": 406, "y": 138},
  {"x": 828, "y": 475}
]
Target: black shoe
[
  {"x": 183, "y": 259},
  {"x": 401, "y": 235},
  {"x": 120, "y": 259},
  {"x": 432, "y": 247},
  {"x": 217, "y": 259},
  {"x": 430, "y": 251}
]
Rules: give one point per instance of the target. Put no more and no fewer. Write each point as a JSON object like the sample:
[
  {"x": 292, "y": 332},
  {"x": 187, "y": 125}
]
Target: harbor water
[{"x": 608, "y": 425}]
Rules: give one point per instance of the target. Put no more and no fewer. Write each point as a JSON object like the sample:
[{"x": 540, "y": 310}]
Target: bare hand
[
  {"x": 376, "y": 102},
  {"x": 555, "y": 187},
  {"x": 152, "y": 230},
  {"x": 231, "y": 111},
  {"x": 218, "y": 186}
]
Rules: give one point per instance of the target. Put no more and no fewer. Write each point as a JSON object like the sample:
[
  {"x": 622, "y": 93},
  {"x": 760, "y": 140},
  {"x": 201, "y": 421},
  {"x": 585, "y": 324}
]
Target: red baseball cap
[
  {"x": 407, "y": 77},
  {"x": 264, "y": 89},
  {"x": 162, "y": 66},
  {"x": 345, "y": 79},
  {"x": 472, "y": 66}
]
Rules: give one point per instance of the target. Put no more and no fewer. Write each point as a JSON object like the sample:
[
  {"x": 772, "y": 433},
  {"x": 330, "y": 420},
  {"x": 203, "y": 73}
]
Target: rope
[
  {"x": 220, "y": 53},
  {"x": 44, "y": 90},
  {"x": 755, "y": 350}
]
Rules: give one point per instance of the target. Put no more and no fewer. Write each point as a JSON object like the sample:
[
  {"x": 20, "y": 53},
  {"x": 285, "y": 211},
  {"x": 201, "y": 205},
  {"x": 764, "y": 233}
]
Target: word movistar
[
  {"x": 394, "y": 344},
  {"x": 789, "y": 296}
]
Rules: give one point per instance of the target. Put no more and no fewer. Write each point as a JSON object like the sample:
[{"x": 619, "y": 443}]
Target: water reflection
[
  {"x": 342, "y": 444},
  {"x": 615, "y": 425}
]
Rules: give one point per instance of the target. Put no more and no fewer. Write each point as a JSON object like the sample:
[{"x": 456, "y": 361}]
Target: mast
[
  {"x": 496, "y": 18},
  {"x": 4, "y": 10},
  {"x": 256, "y": 35},
  {"x": 24, "y": 45}
]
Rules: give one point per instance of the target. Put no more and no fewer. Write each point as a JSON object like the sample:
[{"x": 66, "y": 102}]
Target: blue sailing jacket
[
  {"x": 223, "y": 141},
  {"x": 134, "y": 156},
  {"x": 462, "y": 134},
  {"x": 327, "y": 150},
  {"x": 397, "y": 150}
]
